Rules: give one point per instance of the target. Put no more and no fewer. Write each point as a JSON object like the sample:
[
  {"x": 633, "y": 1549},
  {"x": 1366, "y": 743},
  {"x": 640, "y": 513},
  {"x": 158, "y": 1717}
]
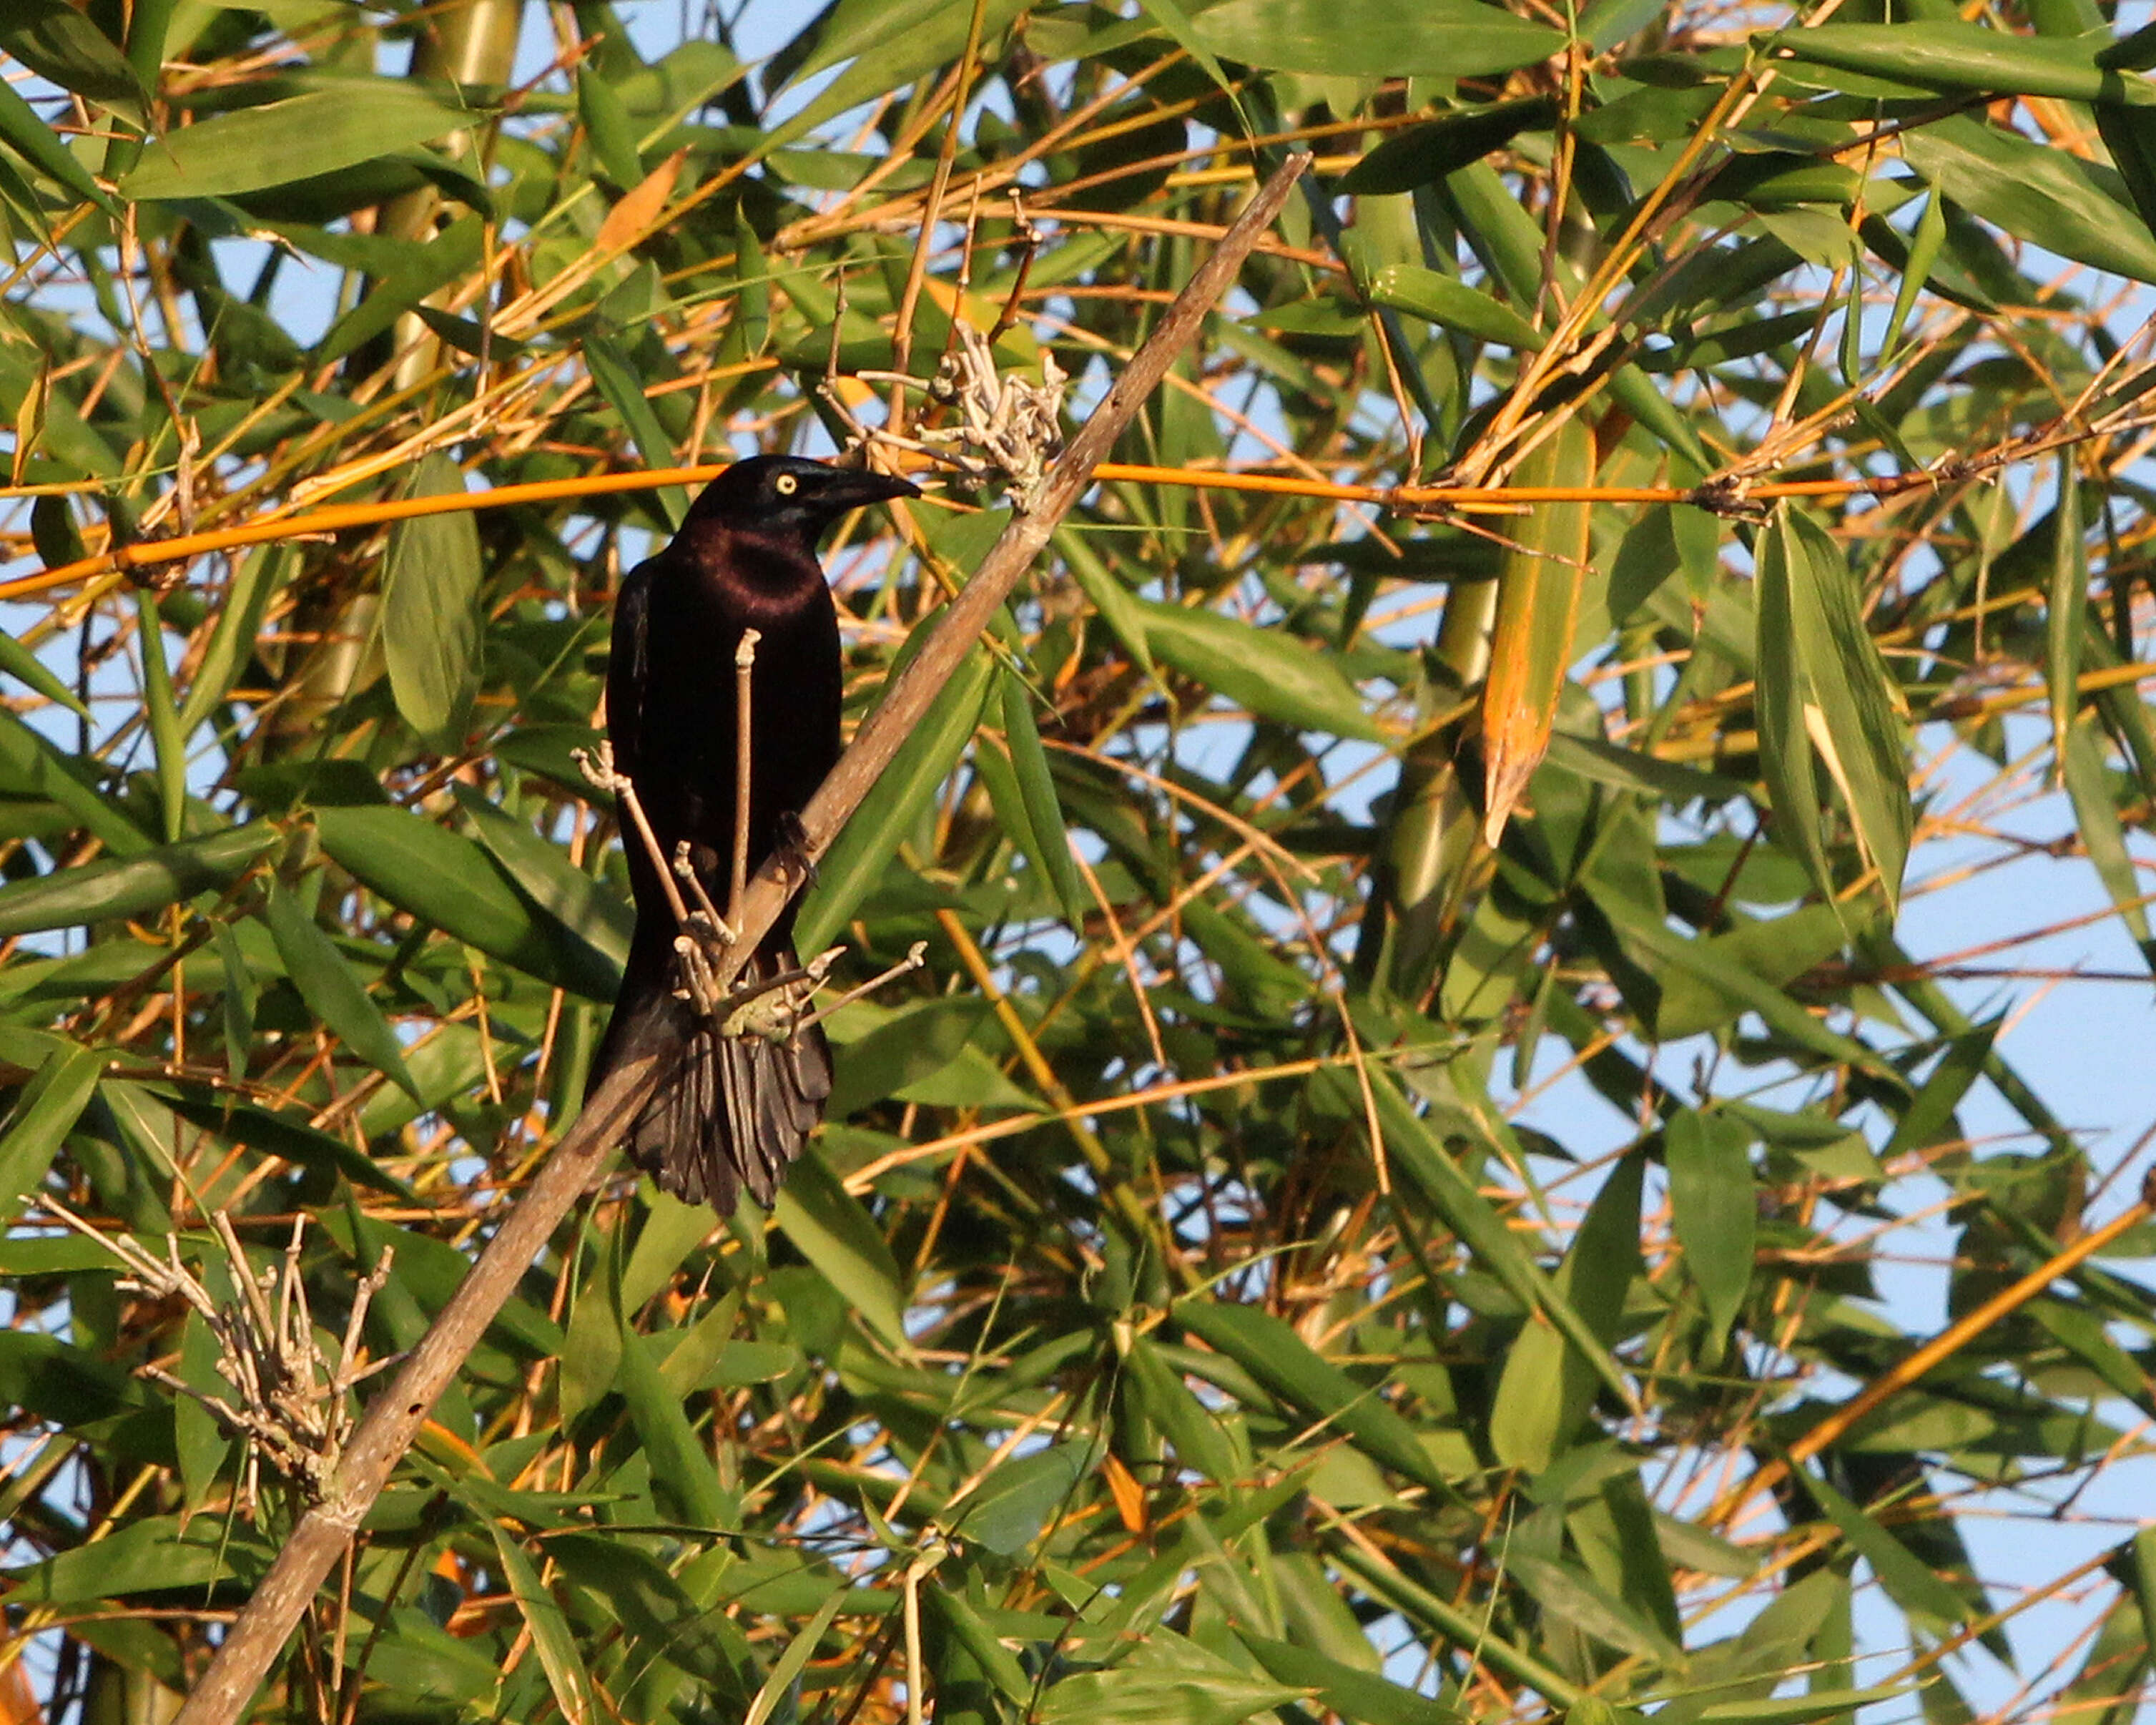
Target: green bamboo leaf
[
  {"x": 1272, "y": 673},
  {"x": 331, "y": 991},
  {"x": 69, "y": 1385},
  {"x": 233, "y": 1122},
  {"x": 1825, "y": 692},
  {"x": 41, "y": 148},
  {"x": 452, "y": 885},
  {"x": 2082, "y": 1332},
  {"x": 1548, "y": 1381},
  {"x": 1799, "y": 1709},
  {"x": 2066, "y": 605},
  {"x": 62, "y": 44},
  {"x": 1286, "y": 1364},
  {"x": 914, "y": 1043},
  {"x": 1416, "y": 1151},
  {"x": 1504, "y": 236},
  {"x": 857, "y": 859},
  {"x": 1785, "y": 750},
  {"x": 239, "y": 996},
  {"x": 586, "y": 911},
  {"x": 1452, "y": 305},
  {"x": 752, "y": 302},
  {"x": 2091, "y": 789},
  {"x": 683, "y": 1478},
  {"x": 1623, "y": 769},
  {"x": 431, "y": 635},
  {"x": 965, "y": 1626},
  {"x": 1200, "y": 1443},
  {"x": 551, "y": 1637},
  {"x": 1941, "y": 53},
  {"x": 1423, "y": 155},
  {"x": 1577, "y": 1598},
  {"x": 616, "y": 380},
  {"x": 2137, "y": 1558},
  {"x": 607, "y": 125},
  {"x": 301, "y": 138},
  {"x": 705, "y": 1353},
  {"x": 1647, "y": 115},
  {"x": 400, "y": 290},
  {"x": 2045, "y": 195},
  {"x": 786, "y": 1671},
  {"x": 1360, "y": 1696},
  {"x": 908, "y": 39},
  {"x": 167, "y": 740},
  {"x": 827, "y": 1224},
  {"x": 1137, "y": 1695},
  {"x": 2128, "y": 131},
  {"x": 1118, "y": 607},
  {"x": 129, "y": 886},
  {"x": 255, "y": 580},
  {"x": 662, "y": 1620},
  {"x": 1714, "y": 1208},
  {"x": 1923, "y": 252},
  {"x": 1594, "y": 1710},
  {"x": 43, "y": 1116},
  {"x": 1263, "y": 983},
  {"x": 1008, "y": 1510},
  {"x": 1172, "y": 17},
  {"x": 1929, "y": 1117},
  {"x": 992, "y": 769},
  {"x": 203, "y": 1443},
  {"x": 972, "y": 1080},
  {"x": 416, "y": 1656},
  {"x": 31, "y": 766},
  {"x": 1050, "y": 849},
  {"x": 1371, "y": 38},
  {"x": 1726, "y": 974},
  {"x": 671, "y": 1230},
  {"x": 450, "y": 1064},
  {"x": 20, "y": 662},
  {"x": 150, "y": 1555},
  {"x": 149, "y": 1130},
  {"x": 1910, "y": 1583}
]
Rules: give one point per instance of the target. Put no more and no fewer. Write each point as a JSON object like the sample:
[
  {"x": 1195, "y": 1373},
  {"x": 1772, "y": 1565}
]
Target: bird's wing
[{"x": 629, "y": 665}]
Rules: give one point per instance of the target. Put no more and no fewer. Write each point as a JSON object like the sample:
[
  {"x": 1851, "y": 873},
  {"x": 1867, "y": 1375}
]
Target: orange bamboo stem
[{"x": 1408, "y": 499}]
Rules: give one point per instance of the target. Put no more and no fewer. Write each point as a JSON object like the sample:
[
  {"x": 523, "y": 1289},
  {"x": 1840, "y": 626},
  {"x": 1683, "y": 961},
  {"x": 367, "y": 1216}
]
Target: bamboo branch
[
  {"x": 1940, "y": 1348},
  {"x": 1732, "y": 491},
  {"x": 393, "y": 1418}
]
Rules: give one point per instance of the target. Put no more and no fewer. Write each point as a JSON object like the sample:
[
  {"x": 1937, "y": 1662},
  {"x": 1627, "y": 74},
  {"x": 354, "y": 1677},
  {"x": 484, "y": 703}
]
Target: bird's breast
[{"x": 755, "y": 582}]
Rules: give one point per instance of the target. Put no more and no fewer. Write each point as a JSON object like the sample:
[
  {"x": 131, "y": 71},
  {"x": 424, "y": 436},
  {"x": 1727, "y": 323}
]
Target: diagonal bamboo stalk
[{"x": 394, "y": 1417}]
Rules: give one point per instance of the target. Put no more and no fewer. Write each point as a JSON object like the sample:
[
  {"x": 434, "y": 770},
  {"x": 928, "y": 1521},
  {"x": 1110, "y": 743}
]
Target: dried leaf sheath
[{"x": 1538, "y": 589}]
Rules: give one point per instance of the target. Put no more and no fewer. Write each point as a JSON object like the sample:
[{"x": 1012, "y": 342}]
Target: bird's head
[{"x": 789, "y": 496}]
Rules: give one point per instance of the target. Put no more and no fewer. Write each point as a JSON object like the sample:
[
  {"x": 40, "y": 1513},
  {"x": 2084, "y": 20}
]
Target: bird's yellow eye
[{"x": 786, "y": 485}]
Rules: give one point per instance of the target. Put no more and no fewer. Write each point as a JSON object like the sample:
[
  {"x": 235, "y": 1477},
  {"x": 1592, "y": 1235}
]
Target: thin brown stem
[{"x": 744, "y": 763}]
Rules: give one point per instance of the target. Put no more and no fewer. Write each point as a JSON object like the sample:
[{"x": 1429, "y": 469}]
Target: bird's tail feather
[{"x": 738, "y": 1109}]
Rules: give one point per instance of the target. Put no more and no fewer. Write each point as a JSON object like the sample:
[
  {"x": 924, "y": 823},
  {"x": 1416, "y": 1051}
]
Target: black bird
[{"x": 737, "y": 1109}]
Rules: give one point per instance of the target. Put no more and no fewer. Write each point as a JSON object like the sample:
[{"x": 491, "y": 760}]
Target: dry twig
[{"x": 290, "y": 1406}]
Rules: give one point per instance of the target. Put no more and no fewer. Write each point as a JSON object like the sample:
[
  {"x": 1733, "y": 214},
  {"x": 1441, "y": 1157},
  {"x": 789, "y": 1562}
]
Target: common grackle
[{"x": 737, "y": 1109}]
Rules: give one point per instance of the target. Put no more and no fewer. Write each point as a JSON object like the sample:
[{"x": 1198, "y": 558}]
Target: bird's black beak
[{"x": 855, "y": 488}]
